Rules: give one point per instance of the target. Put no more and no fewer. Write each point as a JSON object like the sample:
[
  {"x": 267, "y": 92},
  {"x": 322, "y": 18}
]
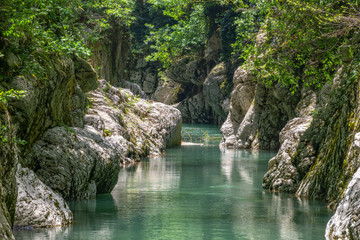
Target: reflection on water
[{"x": 194, "y": 192}]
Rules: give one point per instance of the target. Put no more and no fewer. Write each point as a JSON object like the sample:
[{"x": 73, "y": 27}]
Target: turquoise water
[{"x": 194, "y": 192}]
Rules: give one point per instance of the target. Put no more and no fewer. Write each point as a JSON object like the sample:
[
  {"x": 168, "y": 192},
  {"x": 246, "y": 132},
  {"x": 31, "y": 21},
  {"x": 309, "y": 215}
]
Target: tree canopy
[{"x": 302, "y": 41}]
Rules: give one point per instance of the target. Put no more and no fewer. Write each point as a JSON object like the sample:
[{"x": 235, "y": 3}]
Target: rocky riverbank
[
  {"x": 79, "y": 132},
  {"x": 314, "y": 131}
]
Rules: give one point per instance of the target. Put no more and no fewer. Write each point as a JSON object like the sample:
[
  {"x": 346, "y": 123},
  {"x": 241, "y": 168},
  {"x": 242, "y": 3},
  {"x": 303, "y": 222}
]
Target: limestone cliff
[
  {"x": 314, "y": 132},
  {"x": 8, "y": 160},
  {"x": 198, "y": 85},
  {"x": 79, "y": 132}
]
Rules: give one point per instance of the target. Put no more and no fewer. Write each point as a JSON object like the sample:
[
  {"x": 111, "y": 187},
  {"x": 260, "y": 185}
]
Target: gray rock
[
  {"x": 37, "y": 205},
  {"x": 113, "y": 54},
  {"x": 135, "y": 89},
  {"x": 240, "y": 126},
  {"x": 150, "y": 82},
  {"x": 77, "y": 163},
  {"x": 9, "y": 155},
  {"x": 60, "y": 99},
  {"x": 119, "y": 127},
  {"x": 167, "y": 92},
  {"x": 212, "y": 90},
  {"x": 283, "y": 174},
  {"x": 85, "y": 75},
  {"x": 213, "y": 49},
  {"x": 194, "y": 109},
  {"x": 188, "y": 71},
  {"x": 344, "y": 224}
]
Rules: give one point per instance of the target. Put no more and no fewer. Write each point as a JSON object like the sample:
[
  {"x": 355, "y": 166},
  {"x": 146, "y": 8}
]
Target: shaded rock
[
  {"x": 188, "y": 71},
  {"x": 60, "y": 99},
  {"x": 150, "y": 82},
  {"x": 37, "y": 205},
  {"x": 8, "y": 160},
  {"x": 213, "y": 50},
  {"x": 135, "y": 89},
  {"x": 85, "y": 75},
  {"x": 167, "y": 92},
  {"x": 77, "y": 163},
  {"x": 113, "y": 54},
  {"x": 194, "y": 109},
  {"x": 282, "y": 174},
  {"x": 333, "y": 159},
  {"x": 212, "y": 89}
]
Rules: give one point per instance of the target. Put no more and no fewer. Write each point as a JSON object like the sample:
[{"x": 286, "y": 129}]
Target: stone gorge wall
[
  {"x": 314, "y": 132},
  {"x": 257, "y": 113},
  {"x": 8, "y": 160},
  {"x": 79, "y": 133},
  {"x": 197, "y": 85}
]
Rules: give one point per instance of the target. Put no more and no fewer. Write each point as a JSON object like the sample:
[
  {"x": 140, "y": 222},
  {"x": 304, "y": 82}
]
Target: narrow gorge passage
[{"x": 195, "y": 191}]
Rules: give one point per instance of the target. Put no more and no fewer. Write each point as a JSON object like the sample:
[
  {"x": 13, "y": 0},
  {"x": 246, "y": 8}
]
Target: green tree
[{"x": 302, "y": 41}]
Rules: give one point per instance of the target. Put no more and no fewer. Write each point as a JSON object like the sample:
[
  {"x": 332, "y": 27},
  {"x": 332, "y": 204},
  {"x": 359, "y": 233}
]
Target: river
[{"x": 195, "y": 191}]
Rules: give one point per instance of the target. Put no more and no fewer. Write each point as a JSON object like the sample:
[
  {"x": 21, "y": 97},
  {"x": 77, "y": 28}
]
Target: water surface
[{"x": 194, "y": 192}]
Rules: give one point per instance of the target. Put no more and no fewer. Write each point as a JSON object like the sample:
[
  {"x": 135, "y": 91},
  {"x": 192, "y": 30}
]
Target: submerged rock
[{"x": 37, "y": 204}]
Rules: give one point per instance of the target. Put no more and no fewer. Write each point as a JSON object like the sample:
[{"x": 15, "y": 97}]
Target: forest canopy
[{"x": 301, "y": 45}]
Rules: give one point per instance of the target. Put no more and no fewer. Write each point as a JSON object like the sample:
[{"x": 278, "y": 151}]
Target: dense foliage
[
  {"x": 190, "y": 26},
  {"x": 301, "y": 44},
  {"x": 33, "y": 29},
  {"x": 303, "y": 40}
]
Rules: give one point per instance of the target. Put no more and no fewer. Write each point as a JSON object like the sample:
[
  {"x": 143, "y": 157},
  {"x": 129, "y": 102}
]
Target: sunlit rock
[
  {"x": 344, "y": 224},
  {"x": 38, "y": 205}
]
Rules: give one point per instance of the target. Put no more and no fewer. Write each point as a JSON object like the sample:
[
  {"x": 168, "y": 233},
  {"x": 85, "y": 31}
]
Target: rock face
[
  {"x": 333, "y": 159},
  {"x": 76, "y": 143},
  {"x": 113, "y": 53},
  {"x": 316, "y": 129},
  {"x": 81, "y": 162},
  {"x": 59, "y": 100},
  {"x": 282, "y": 174},
  {"x": 344, "y": 224},
  {"x": 256, "y": 114},
  {"x": 241, "y": 111},
  {"x": 210, "y": 103},
  {"x": 8, "y": 160},
  {"x": 197, "y": 85},
  {"x": 37, "y": 204}
]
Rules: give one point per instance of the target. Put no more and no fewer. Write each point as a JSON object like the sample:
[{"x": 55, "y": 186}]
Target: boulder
[
  {"x": 38, "y": 206},
  {"x": 77, "y": 163},
  {"x": 119, "y": 128},
  {"x": 167, "y": 92}
]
